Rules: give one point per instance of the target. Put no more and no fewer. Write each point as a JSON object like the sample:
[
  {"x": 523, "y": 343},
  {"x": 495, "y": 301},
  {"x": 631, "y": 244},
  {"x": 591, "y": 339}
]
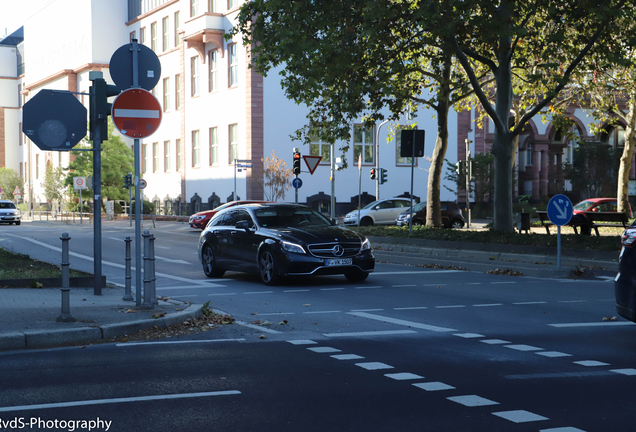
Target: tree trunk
[
  {"x": 626, "y": 159},
  {"x": 433, "y": 207}
]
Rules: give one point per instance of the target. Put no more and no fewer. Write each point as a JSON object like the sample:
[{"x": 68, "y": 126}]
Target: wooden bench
[{"x": 593, "y": 217}]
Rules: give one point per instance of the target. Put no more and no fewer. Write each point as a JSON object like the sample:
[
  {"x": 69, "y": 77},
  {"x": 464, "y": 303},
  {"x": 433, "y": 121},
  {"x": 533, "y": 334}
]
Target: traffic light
[
  {"x": 128, "y": 181},
  {"x": 460, "y": 167},
  {"x": 383, "y": 176},
  {"x": 296, "y": 163},
  {"x": 100, "y": 108},
  {"x": 373, "y": 174}
]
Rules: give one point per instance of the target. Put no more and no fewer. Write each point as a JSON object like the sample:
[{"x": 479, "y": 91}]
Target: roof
[{"x": 14, "y": 38}]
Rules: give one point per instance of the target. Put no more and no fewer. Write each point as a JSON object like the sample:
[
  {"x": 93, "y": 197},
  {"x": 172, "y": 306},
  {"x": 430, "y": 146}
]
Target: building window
[
  {"x": 194, "y": 81},
  {"x": 212, "y": 5},
  {"x": 363, "y": 144},
  {"x": 165, "y": 27},
  {"x": 196, "y": 159},
  {"x": 166, "y": 94},
  {"x": 144, "y": 158},
  {"x": 176, "y": 29},
  {"x": 616, "y": 138},
  {"x": 20, "y": 133},
  {"x": 528, "y": 154},
  {"x": 179, "y": 159},
  {"x": 166, "y": 156},
  {"x": 214, "y": 146},
  {"x": 155, "y": 157},
  {"x": 133, "y": 35},
  {"x": 21, "y": 175},
  {"x": 232, "y": 3},
  {"x": 319, "y": 147},
  {"x": 213, "y": 65},
  {"x": 142, "y": 35},
  {"x": 573, "y": 143},
  {"x": 194, "y": 8},
  {"x": 233, "y": 143},
  {"x": 232, "y": 65},
  {"x": 153, "y": 36},
  {"x": 177, "y": 92},
  {"x": 398, "y": 148}
]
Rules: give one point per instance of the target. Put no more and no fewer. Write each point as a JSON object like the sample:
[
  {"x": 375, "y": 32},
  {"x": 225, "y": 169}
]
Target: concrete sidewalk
[{"x": 28, "y": 316}]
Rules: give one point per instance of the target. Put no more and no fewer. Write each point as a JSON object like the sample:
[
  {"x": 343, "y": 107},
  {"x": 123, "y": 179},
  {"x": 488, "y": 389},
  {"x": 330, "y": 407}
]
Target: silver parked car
[
  {"x": 382, "y": 212},
  {"x": 9, "y": 213}
]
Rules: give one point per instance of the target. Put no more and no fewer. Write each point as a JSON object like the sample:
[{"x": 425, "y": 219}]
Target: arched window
[
  {"x": 573, "y": 142},
  {"x": 615, "y": 137}
]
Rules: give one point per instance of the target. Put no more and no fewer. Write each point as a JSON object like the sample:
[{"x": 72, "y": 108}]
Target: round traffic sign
[
  {"x": 121, "y": 67},
  {"x": 297, "y": 183},
  {"x": 136, "y": 113},
  {"x": 142, "y": 184},
  {"x": 560, "y": 210}
]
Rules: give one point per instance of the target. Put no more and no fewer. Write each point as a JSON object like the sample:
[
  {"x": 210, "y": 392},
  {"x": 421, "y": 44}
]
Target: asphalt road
[{"x": 411, "y": 349}]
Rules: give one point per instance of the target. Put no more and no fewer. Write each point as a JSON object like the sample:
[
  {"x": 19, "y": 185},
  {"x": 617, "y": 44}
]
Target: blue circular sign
[
  {"x": 297, "y": 183},
  {"x": 560, "y": 210}
]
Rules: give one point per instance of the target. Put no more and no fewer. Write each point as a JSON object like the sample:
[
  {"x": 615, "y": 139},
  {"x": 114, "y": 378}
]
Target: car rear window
[{"x": 284, "y": 217}]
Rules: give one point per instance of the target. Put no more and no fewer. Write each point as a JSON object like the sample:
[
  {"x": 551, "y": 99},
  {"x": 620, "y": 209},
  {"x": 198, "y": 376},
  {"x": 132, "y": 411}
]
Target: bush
[{"x": 147, "y": 207}]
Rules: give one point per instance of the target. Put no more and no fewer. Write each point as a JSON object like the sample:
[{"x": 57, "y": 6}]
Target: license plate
[{"x": 339, "y": 262}]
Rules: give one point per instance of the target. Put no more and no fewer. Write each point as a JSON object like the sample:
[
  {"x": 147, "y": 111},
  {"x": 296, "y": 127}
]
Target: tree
[
  {"x": 356, "y": 59},
  {"x": 594, "y": 169},
  {"x": 481, "y": 184},
  {"x": 54, "y": 184},
  {"x": 117, "y": 161},
  {"x": 9, "y": 180},
  {"x": 543, "y": 41},
  {"x": 276, "y": 178}
]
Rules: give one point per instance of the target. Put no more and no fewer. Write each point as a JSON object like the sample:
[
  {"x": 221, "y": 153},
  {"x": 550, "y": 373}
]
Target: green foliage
[
  {"x": 9, "y": 180},
  {"x": 117, "y": 160},
  {"x": 147, "y": 207},
  {"x": 482, "y": 183},
  {"x": 594, "y": 170},
  {"x": 54, "y": 184},
  {"x": 568, "y": 241}
]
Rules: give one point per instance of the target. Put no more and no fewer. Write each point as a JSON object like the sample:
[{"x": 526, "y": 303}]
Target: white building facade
[{"x": 215, "y": 108}]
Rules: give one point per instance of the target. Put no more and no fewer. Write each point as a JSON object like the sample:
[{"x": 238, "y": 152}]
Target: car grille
[{"x": 329, "y": 250}]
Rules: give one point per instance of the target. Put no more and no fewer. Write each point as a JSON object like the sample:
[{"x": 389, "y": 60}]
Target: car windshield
[
  {"x": 418, "y": 207},
  {"x": 289, "y": 217},
  {"x": 583, "y": 205},
  {"x": 7, "y": 205}
]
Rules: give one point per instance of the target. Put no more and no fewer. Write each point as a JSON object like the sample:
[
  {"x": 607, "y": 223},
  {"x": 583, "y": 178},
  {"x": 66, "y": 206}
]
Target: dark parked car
[
  {"x": 451, "y": 215},
  {"x": 276, "y": 240},
  {"x": 625, "y": 282},
  {"x": 201, "y": 219}
]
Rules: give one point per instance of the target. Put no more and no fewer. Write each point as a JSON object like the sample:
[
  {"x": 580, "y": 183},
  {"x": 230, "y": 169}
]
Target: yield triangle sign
[{"x": 312, "y": 162}]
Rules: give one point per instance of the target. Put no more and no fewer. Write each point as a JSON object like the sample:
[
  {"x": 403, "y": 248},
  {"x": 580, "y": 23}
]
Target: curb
[{"x": 50, "y": 338}]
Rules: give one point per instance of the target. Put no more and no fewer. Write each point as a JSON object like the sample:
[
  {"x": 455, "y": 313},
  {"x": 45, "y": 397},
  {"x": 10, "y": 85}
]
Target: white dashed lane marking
[
  {"x": 590, "y": 363},
  {"x": 302, "y": 342},
  {"x": 374, "y": 366},
  {"x": 488, "y": 305},
  {"x": 629, "y": 372},
  {"x": 494, "y": 341},
  {"x": 347, "y": 357},
  {"x": 469, "y": 335},
  {"x": 403, "y": 376},
  {"x": 520, "y": 416},
  {"x": 370, "y": 333},
  {"x": 472, "y": 400},
  {"x": 434, "y": 386},
  {"x": 402, "y": 322},
  {"x": 324, "y": 349},
  {"x": 411, "y": 308},
  {"x": 553, "y": 354},
  {"x": 593, "y": 324},
  {"x": 530, "y": 303},
  {"x": 522, "y": 347},
  {"x": 450, "y": 307},
  {"x": 562, "y": 429}
]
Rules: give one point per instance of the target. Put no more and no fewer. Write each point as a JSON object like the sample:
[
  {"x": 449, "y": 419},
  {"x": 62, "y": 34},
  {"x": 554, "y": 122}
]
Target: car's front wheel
[
  {"x": 268, "y": 268},
  {"x": 457, "y": 224},
  {"x": 367, "y": 221},
  {"x": 209, "y": 265},
  {"x": 356, "y": 275}
]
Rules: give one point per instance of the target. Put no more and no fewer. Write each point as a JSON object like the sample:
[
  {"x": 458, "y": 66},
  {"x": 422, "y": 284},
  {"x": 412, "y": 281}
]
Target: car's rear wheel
[
  {"x": 209, "y": 265},
  {"x": 457, "y": 224},
  {"x": 268, "y": 268},
  {"x": 367, "y": 221},
  {"x": 356, "y": 275}
]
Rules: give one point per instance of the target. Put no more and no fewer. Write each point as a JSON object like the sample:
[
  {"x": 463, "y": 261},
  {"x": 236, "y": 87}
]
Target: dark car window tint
[
  {"x": 242, "y": 215},
  {"x": 227, "y": 219},
  {"x": 289, "y": 217},
  {"x": 387, "y": 204},
  {"x": 7, "y": 205}
]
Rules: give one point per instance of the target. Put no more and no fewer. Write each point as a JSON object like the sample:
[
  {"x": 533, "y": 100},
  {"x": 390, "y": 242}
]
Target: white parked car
[
  {"x": 382, "y": 212},
  {"x": 9, "y": 213}
]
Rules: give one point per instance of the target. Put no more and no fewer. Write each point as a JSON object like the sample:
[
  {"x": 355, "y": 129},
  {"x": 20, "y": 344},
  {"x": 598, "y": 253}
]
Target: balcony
[{"x": 206, "y": 28}]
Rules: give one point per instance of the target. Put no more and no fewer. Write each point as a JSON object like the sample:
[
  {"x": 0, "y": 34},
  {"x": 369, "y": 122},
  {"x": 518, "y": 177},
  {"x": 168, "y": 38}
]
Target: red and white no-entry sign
[{"x": 136, "y": 113}]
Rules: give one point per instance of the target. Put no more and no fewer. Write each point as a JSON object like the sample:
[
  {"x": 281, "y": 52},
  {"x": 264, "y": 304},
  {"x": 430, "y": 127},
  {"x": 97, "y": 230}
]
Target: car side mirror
[
  {"x": 243, "y": 224},
  {"x": 594, "y": 209}
]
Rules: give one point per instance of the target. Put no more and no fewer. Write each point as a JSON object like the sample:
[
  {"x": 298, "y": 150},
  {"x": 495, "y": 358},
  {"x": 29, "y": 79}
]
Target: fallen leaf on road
[
  {"x": 159, "y": 315},
  {"x": 130, "y": 311}
]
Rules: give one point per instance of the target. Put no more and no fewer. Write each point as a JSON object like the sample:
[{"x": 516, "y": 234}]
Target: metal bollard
[
  {"x": 66, "y": 307},
  {"x": 147, "y": 303},
  {"x": 128, "y": 292},
  {"x": 153, "y": 279},
  {"x": 65, "y": 260}
]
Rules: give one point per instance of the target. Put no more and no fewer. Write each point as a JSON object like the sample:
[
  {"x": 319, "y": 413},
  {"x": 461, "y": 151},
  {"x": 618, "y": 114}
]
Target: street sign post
[
  {"x": 136, "y": 113},
  {"x": 54, "y": 120},
  {"x": 559, "y": 212}
]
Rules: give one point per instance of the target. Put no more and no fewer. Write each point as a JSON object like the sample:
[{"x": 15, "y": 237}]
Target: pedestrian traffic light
[
  {"x": 100, "y": 108},
  {"x": 373, "y": 174},
  {"x": 459, "y": 168},
  {"x": 296, "y": 163},
  {"x": 128, "y": 181},
  {"x": 383, "y": 176}
]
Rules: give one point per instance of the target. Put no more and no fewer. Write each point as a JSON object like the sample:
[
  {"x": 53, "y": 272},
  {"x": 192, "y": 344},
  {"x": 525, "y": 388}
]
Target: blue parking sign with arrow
[{"x": 560, "y": 210}]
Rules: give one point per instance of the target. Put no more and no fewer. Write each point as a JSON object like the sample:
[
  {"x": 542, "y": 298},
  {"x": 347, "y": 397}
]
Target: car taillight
[{"x": 629, "y": 237}]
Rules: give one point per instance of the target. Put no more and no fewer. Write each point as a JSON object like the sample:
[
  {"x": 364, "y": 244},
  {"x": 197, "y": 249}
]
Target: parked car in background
[
  {"x": 200, "y": 219},
  {"x": 277, "y": 240},
  {"x": 625, "y": 281},
  {"x": 9, "y": 213},
  {"x": 451, "y": 215},
  {"x": 382, "y": 212},
  {"x": 593, "y": 205}
]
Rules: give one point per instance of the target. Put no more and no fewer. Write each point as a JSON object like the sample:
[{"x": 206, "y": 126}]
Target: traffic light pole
[{"x": 97, "y": 210}]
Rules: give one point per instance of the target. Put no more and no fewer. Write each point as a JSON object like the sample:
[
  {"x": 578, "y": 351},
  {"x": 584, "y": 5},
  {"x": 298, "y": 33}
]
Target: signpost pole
[
  {"x": 138, "y": 203},
  {"x": 234, "y": 194},
  {"x": 559, "y": 246},
  {"x": 81, "y": 207},
  {"x": 97, "y": 211}
]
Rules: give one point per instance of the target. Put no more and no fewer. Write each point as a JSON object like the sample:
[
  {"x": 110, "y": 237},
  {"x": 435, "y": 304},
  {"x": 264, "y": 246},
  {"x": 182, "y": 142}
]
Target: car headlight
[
  {"x": 366, "y": 244},
  {"x": 292, "y": 247},
  {"x": 198, "y": 218}
]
